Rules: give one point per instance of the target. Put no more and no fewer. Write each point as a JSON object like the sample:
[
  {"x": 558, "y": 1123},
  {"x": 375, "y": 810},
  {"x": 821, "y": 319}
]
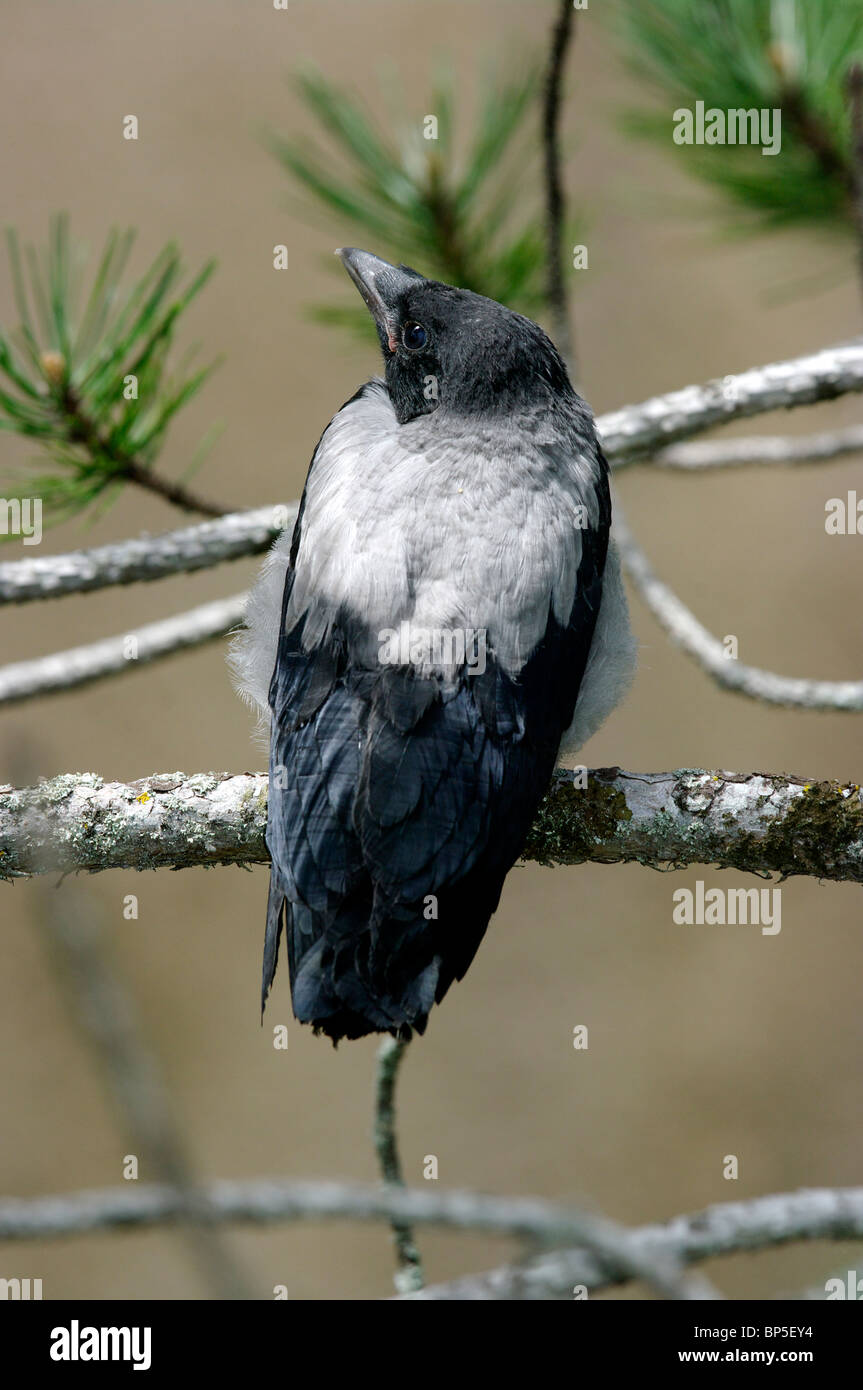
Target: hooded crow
[{"x": 445, "y": 618}]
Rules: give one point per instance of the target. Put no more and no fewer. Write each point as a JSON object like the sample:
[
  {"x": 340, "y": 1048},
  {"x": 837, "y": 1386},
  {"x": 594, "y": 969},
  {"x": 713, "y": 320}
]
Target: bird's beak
[{"x": 381, "y": 286}]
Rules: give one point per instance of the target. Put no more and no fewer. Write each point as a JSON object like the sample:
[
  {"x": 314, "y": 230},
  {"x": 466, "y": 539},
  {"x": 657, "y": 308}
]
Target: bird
[{"x": 444, "y": 621}]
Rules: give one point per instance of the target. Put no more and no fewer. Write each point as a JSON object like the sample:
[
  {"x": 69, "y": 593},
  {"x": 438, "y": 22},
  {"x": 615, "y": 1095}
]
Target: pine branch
[
  {"x": 91, "y": 388},
  {"x": 122, "y": 466},
  {"x": 754, "y": 56},
  {"x": 801, "y": 118},
  {"x": 460, "y": 219}
]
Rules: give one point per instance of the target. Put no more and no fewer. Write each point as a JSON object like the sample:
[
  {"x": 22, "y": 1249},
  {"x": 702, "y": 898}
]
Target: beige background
[{"x": 703, "y": 1041}]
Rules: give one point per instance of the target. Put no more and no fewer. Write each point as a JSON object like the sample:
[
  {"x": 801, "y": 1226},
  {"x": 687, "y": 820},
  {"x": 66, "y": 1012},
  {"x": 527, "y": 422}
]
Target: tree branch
[
  {"x": 178, "y": 494},
  {"x": 630, "y": 435},
  {"x": 636, "y": 430},
  {"x": 759, "y": 1224},
  {"x": 776, "y": 449},
  {"x": 81, "y": 430},
  {"x": 691, "y": 636},
  {"x": 113, "y": 656},
  {"x": 754, "y": 822},
  {"x": 723, "y": 1229},
  {"x": 109, "y": 656},
  {"x": 145, "y": 558}
]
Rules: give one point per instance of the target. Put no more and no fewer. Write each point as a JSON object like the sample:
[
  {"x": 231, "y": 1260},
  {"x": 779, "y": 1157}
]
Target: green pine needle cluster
[
  {"x": 66, "y": 371},
  {"x": 794, "y": 55},
  {"x": 414, "y": 200}
]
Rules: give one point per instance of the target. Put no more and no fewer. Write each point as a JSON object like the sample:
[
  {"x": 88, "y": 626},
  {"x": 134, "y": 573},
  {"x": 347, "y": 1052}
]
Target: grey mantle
[{"x": 759, "y": 822}]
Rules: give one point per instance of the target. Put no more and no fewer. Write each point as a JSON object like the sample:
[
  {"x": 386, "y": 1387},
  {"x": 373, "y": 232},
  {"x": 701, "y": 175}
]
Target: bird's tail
[
  {"x": 275, "y": 922},
  {"x": 355, "y": 971}
]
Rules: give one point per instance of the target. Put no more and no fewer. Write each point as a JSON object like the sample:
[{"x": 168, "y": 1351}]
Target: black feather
[{"x": 393, "y": 798}]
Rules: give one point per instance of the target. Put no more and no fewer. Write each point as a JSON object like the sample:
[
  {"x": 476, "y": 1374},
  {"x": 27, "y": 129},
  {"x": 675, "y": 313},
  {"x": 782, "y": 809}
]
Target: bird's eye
[{"x": 414, "y": 336}]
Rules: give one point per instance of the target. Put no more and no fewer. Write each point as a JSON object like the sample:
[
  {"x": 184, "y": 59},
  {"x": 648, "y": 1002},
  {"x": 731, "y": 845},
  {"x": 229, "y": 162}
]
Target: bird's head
[{"x": 453, "y": 349}]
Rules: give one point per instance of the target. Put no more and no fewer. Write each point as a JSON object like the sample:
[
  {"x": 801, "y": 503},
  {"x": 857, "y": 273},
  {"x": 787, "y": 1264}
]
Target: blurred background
[{"x": 704, "y": 1041}]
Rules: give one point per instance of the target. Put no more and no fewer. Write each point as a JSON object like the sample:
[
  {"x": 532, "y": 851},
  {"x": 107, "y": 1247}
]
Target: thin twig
[
  {"x": 691, "y": 636},
  {"x": 81, "y": 430},
  {"x": 555, "y": 208},
  {"x": 409, "y": 1272},
  {"x": 806, "y": 123},
  {"x": 176, "y": 493},
  {"x": 445, "y": 226},
  {"x": 699, "y": 455},
  {"x": 115, "y": 656},
  {"x": 145, "y": 558},
  {"x": 854, "y": 88}
]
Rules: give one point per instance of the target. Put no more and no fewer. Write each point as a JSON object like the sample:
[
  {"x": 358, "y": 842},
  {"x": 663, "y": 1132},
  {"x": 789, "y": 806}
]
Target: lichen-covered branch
[
  {"x": 173, "y": 820},
  {"x": 756, "y": 822},
  {"x": 629, "y": 435}
]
